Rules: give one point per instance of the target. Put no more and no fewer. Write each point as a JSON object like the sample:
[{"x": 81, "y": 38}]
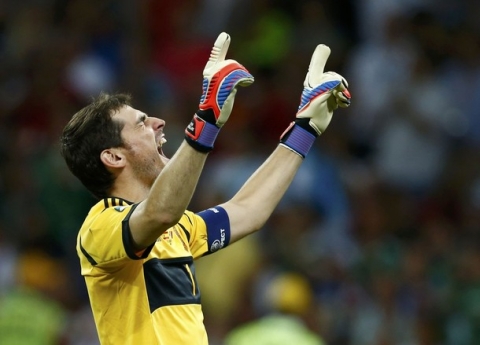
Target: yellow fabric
[{"x": 152, "y": 299}]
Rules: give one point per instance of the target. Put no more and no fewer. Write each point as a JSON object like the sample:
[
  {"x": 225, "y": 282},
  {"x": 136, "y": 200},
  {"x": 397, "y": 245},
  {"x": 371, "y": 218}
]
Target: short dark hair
[{"x": 90, "y": 131}]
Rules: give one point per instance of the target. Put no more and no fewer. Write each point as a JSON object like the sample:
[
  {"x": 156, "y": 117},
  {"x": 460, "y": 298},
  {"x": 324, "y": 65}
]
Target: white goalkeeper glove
[
  {"x": 323, "y": 92},
  {"x": 220, "y": 81}
]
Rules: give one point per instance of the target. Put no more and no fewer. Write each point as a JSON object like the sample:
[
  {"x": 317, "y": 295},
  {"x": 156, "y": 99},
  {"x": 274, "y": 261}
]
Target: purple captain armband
[{"x": 218, "y": 228}]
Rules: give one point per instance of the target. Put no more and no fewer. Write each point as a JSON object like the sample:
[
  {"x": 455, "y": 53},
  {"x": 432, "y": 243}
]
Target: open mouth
[{"x": 160, "y": 144}]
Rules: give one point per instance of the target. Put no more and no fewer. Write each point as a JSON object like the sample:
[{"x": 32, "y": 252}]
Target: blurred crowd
[{"x": 382, "y": 220}]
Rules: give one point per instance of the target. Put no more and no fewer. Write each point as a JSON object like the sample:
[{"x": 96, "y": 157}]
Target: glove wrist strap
[
  {"x": 201, "y": 134},
  {"x": 299, "y": 137}
]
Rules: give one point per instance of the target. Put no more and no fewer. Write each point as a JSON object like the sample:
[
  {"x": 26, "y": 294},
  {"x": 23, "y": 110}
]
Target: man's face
[{"x": 143, "y": 137}]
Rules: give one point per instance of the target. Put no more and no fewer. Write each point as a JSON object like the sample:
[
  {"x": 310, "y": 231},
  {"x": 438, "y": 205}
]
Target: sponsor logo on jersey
[{"x": 119, "y": 208}]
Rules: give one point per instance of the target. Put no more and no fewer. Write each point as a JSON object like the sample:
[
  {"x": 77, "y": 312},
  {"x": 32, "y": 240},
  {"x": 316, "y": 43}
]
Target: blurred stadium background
[{"x": 383, "y": 219}]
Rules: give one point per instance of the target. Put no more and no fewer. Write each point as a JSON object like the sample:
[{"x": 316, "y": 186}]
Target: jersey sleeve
[{"x": 106, "y": 241}]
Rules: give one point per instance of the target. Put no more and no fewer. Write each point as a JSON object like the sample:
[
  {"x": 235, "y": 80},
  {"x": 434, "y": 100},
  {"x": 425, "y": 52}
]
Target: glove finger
[
  {"x": 343, "y": 102},
  {"x": 317, "y": 65},
  {"x": 332, "y": 103},
  {"x": 219, "y": 50},
  {"x": 341, "y": 93},
  {"x": 235, "y": 74},
  {"x": 334, "y": 75},
  {"x": 245, "y": 82},
  {"x": 342, "y": 98},
  {"x": 226, "y": 109}
]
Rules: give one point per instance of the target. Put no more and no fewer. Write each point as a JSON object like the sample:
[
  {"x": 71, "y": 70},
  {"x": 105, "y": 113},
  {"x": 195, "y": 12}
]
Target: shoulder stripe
[
  {"x": 185, "y": 231},
  {"x": 88, "y": 256},
  {"x": 190, "y": 220},
  {"x": 115, "y": 201}
]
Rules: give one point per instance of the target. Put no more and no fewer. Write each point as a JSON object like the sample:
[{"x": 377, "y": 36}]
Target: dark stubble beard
[{"x": 147, "y": 169}]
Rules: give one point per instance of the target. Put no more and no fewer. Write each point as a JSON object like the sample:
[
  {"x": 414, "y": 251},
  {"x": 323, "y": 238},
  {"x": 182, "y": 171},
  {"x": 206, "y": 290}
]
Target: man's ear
[{"x": 113, "y": 158}]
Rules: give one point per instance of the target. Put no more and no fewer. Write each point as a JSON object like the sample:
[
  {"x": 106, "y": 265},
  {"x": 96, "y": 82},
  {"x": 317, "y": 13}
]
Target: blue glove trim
[
  {"x": 205, "y": 83},
  {"x": 228, "y": 83},
  {"x": 225, "y": 88},
  {"x": 208, "y": 135},
  {"x": 218, "y": 228},
  {"x": 309, "y": 94}
]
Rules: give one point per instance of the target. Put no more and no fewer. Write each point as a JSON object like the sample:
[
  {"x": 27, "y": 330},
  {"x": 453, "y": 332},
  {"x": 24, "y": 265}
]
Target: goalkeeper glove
[
  {"x": 323, "y": 93},
  {"x": 220, "y": 80}
]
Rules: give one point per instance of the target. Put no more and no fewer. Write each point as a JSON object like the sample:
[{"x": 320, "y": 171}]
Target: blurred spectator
[
  {"x": 288, "y": 299},
  {"x": 32, "y": 313}
]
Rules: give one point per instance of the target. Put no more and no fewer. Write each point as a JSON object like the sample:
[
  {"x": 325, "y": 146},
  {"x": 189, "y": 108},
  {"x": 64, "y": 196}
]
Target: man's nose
[{"x": 157, "y": 123}]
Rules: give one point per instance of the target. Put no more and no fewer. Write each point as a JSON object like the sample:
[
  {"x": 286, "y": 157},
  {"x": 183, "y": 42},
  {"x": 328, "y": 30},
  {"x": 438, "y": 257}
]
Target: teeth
[{"x": 161, "y": 141}]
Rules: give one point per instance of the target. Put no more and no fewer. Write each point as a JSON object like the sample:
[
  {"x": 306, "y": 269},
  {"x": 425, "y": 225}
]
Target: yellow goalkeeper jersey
[{"x": 143, "y": 298}]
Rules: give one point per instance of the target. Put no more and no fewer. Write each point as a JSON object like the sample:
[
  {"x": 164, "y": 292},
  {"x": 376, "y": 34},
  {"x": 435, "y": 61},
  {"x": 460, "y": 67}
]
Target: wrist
[
  {"x": 306, "y": 125},
  {"x": 200, "y": 132},
  {"x": 299, "y": 137}
]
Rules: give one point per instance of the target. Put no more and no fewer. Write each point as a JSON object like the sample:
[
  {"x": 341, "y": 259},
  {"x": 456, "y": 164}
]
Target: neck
[{"x": 131, "y": 190}]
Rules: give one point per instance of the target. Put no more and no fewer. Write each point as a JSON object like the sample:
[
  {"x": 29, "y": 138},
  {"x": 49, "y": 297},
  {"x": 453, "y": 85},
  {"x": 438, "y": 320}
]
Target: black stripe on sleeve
[
  {"x": 128, "y": 241},
  {"x": 185, "y": 231},
  {"x": 88, "y": 256},
  {"x": 186, "y": 215}
]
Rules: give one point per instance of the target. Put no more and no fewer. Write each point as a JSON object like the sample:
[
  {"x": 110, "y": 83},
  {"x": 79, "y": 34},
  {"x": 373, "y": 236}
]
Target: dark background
[{"x": 383, "y": 218}]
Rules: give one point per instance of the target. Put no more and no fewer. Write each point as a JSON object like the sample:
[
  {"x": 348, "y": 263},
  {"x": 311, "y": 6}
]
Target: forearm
[
  {"x": 174, "y": 187},
  {"x": 170, "y": 194},
  {"x": 323, "y": 92},
  {"x": 253, "y": 204}
]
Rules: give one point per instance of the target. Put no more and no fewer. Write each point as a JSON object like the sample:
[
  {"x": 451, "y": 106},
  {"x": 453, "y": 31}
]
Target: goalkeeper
[{"x": 138, "y": 244}]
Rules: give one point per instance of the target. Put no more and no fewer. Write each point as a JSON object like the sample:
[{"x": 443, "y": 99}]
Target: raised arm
[
  {"x": 253, "y": 204},
  {"x": 173, "y": 188}
]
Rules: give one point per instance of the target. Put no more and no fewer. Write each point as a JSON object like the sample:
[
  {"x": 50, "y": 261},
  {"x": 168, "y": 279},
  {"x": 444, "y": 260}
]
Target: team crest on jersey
[
  {"x": 167, "y": 236},
  {"x": 119, "y": 208}
]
